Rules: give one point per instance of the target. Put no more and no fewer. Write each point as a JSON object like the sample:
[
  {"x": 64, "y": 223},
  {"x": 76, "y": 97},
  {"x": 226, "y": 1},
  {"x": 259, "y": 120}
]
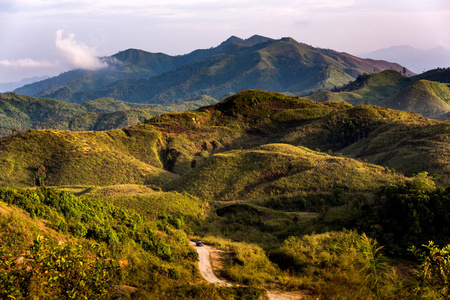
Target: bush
[
  {"x": 434, "y": 271},
  {"x": 65, "y": 271}
]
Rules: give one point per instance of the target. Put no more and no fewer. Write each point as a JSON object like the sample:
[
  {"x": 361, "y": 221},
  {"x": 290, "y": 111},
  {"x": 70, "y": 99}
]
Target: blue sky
[{"x": 46, "y": 37}]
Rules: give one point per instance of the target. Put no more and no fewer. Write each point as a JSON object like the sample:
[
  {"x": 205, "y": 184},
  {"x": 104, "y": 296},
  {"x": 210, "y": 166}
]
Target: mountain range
[
  {"x": 283, "y": 65},
  {"x": 10, "y": 86},
  {"x": 414, "y": 59}
]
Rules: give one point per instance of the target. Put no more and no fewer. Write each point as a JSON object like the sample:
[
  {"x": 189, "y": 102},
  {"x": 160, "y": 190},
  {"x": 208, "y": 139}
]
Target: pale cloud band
[{"x": 27, "y": 63}]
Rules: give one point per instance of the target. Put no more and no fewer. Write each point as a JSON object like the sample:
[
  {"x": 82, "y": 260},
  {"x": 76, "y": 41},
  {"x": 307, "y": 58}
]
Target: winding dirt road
[{"x": 205, "y": 267}]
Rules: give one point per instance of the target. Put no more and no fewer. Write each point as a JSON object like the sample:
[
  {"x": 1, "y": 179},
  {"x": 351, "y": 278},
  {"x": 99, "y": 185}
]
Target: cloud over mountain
[{"x": 78, "y": 54}]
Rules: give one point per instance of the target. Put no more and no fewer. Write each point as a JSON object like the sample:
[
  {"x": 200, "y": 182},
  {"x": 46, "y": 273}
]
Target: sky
[{"x": 47, "y": 37}]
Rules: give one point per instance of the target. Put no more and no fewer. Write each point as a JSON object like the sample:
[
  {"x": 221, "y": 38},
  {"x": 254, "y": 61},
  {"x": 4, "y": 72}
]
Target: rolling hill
[
  {"x": 256, "y": 63},
  {"x": 177, "y": 143},
  {"x": 426, "y": 94},
  {"x": 430, "y": 98}
]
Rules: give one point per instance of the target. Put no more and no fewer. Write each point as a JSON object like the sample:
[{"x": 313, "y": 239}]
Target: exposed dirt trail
[{"x": 205, "y": 267}]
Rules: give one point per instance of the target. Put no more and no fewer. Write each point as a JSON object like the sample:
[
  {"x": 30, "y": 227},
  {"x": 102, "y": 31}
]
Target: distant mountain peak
[
  {"x": 414, "y": 59},
  {"x": 251, "y": 41}
]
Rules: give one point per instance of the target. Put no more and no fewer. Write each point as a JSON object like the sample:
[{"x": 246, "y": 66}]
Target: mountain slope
[
  {"x": 370, "y": 88},
  {"x": 428, "y": 98},
  {"x": 426, "y": 94},
  {"x": 256, "y": 63}
]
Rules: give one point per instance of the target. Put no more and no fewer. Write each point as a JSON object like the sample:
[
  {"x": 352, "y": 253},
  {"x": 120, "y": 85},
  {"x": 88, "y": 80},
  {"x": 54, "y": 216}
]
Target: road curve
[{"x": 205, "y": 267}]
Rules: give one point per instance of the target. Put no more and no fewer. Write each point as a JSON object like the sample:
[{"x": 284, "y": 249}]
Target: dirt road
[{"x": 205, "y": 267}]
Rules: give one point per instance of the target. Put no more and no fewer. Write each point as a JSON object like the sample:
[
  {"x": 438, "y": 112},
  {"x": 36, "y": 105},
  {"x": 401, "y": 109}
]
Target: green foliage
[
  {"x": 343, "y": 264},
  {"x": 57, "y": 271},
  {"x": 407, "y": 215},
  {"x": 89, "y": 218},
  {"x": 423, "y": 182},
  {"x": 434, "y": 271}
]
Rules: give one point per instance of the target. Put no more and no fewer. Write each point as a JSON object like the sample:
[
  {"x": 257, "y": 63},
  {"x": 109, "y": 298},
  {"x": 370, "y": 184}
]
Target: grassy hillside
[
  {"x": 428, "y": 98},
  {"x": 370, "y": 88},
  {"x": 80, "y": 158},
  {"x": 269, "y": 180},
  {"x": 179, "y": 142},
  {"x": 391, "y": 89},
  {"x": 275, "y": 170}
]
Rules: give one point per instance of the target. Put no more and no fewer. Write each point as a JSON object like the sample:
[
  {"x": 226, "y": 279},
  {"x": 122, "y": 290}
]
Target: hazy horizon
[{"x": 47, "y": 37}]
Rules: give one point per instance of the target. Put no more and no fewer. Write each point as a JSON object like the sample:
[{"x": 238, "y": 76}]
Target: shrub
[{"x": 65, "y": 271}]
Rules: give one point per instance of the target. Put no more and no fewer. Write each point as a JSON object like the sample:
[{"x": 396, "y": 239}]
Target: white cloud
[
  {"x": 26, "y": 63},
  {"x": 78, "y": 54}
]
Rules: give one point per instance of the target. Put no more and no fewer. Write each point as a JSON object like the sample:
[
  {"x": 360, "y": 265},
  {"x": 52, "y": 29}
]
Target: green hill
[
  {"x": 101, "y": 158},
  {"x": 370, "y": 88},
  {"x": 276, "y": 170},
  {"x": 428, "y": 98},
  {"x": 389, "y": 88},
  {"x": 22, "y": 112}
]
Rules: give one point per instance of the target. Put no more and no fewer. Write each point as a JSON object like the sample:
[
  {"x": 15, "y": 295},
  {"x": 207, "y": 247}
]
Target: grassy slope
[
  {"x": 366, "y": 88},
  {"x": 428, "y": 98},
  {"x": 81, "y": 158},
  {"x": 389, "y": 88},
  {"x": 278, "y": 169},
  {"x": 212, "y": 136}
]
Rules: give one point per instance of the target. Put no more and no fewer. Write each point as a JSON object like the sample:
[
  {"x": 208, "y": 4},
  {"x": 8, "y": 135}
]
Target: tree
[{"x": 41, "y": 175}]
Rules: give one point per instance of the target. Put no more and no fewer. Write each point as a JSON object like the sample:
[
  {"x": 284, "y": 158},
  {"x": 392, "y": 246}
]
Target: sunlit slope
[
  {"x": 176, "y": 143},
  {"x": 369, "y": 88},
  {"x": 278, "y": 169},
  {"x": 81, "y": 158},
  {"x": 428, "y": 98}
]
